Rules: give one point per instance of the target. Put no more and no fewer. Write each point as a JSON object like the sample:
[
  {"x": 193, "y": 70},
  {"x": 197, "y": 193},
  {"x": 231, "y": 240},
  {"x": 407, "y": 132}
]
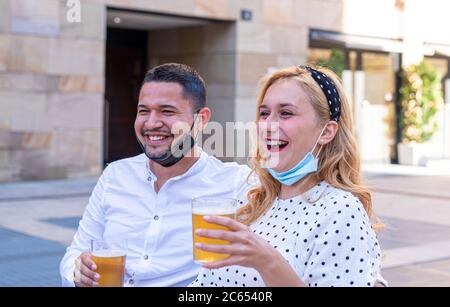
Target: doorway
[{"x": 125, "y": 69}]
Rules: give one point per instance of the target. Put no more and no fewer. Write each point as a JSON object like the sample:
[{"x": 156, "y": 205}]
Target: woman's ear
[{"x": 329, "y": 132}]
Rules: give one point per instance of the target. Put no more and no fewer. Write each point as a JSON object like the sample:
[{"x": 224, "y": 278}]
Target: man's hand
[{"x": 84, "y": 274}]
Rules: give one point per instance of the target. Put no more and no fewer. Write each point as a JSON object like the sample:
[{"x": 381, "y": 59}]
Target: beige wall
[
  {"x": 52, "y": 72},
  {"x": 51, "y": 90}
]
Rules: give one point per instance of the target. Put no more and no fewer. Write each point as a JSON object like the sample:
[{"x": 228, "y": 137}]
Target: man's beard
[{"x": 173, "y": 153}]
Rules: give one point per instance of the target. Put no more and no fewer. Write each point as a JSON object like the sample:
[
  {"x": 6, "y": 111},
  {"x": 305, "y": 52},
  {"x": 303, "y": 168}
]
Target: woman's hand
[{"x": 245, "y": 248}]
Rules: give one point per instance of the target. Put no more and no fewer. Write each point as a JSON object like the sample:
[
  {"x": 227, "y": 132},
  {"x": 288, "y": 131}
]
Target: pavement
[{"x": 38, "y": 220}]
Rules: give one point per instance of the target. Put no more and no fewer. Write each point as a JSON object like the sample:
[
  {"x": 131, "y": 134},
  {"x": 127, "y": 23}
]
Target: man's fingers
[
  {"x": 87, "y": 261},
  {"x": 89, "y": 273},
  {"x": 85, "y": 281}
]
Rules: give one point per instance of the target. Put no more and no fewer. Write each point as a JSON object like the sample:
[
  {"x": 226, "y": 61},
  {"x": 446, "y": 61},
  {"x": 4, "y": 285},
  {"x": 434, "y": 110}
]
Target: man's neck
[{"x": 165, "y": 173}]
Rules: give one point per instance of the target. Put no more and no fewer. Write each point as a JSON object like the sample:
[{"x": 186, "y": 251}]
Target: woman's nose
[
  {"x": 270, "y": 128},
  {"x": 272, "y": 123}
]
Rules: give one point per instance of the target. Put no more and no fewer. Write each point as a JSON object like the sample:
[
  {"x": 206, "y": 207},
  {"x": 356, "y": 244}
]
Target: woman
[{"x": 309, "y": 222}]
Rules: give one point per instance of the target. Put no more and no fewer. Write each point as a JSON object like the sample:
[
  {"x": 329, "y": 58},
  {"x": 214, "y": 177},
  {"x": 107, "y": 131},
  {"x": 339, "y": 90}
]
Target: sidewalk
[
  {"x": 37, "y": 223},
  {"x": 46, "y": 189}
]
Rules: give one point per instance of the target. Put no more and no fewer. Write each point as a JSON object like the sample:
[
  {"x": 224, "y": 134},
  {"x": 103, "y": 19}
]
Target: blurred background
[{"x": 70, "y": 74}]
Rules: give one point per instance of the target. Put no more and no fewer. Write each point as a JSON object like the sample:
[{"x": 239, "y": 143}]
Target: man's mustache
[{"x": 144, "y": 131}]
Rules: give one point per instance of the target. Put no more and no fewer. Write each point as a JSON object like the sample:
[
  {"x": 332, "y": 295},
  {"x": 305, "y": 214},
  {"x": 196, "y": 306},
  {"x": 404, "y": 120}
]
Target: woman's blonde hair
[{"x": 339, "y": 161}]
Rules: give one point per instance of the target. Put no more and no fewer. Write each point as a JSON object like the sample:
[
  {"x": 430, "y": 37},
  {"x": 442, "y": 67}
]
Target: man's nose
[{"x": 153, "y": 121}]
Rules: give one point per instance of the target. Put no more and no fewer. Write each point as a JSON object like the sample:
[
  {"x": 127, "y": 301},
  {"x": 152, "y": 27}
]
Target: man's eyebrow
[
  {"x": 163, "y": 106},
  {"x": 167, "y": 106}
]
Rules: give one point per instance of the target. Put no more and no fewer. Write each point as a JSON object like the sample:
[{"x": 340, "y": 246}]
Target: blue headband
[{"x": 329, "y": 89}]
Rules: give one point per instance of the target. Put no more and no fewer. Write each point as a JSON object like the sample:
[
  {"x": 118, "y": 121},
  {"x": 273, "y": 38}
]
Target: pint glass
[
  {"x": 110, "y": 260},
  {"x": 209, "y": 206}
]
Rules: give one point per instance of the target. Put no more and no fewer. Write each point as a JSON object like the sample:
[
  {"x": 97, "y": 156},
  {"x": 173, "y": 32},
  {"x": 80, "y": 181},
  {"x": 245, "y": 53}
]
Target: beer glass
[
  {"x": 110, "y": 260},
  {"x": 209, "y": 206}
]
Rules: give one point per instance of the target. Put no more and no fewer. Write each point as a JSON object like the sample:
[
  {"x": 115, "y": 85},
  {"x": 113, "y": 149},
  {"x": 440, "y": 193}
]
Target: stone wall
[{"x": 51, "y": 90}]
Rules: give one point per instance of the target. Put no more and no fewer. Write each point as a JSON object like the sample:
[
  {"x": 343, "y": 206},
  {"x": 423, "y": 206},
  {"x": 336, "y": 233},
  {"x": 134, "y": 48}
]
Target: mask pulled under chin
[
  {"x": 175, "y": 153},
  {"x": 306, "y": 166},
  {"x": 309, "y": 164}
]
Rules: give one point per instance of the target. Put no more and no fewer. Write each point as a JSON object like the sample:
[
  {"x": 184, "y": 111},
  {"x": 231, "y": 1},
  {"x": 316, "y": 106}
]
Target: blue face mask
[{"x": 307, "y": 165}]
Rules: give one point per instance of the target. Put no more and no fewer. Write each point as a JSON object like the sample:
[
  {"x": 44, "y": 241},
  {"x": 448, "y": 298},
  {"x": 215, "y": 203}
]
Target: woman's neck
[{"x": 298, "y": 188}]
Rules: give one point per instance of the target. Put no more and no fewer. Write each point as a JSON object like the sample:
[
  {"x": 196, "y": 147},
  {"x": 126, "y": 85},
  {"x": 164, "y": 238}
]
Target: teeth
[
  {"x": 156, "y": 138},
  {"x": 276, "y": 143}
]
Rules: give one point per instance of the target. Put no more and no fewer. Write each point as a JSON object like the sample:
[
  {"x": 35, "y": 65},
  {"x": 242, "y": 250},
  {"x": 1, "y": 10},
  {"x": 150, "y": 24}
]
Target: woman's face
[{"x": 288, "y": 126}]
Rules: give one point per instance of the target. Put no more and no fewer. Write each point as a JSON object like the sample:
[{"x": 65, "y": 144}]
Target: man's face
[{"x": 161, "y": 111}]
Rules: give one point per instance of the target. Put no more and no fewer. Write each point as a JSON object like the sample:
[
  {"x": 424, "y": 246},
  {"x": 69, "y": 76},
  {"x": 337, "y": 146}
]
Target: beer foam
[
  {"x": 214, "y": 211},
  {"x": 108, "y": 253}
]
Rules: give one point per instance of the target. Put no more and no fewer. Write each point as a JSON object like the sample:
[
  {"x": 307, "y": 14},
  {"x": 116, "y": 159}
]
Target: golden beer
[
  {"x": 110, "y": 267},
  {"x": 203, "y": 208}
]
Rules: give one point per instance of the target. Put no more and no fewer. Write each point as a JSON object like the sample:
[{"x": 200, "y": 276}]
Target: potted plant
[{"x": 421, "y": 97}]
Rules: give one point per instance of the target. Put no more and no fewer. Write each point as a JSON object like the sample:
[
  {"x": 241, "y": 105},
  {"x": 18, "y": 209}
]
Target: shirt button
[
  {"x": 156, "y": 217},
  {"x": 145, "y": 257},
  {"x": 131, "y": 281}
]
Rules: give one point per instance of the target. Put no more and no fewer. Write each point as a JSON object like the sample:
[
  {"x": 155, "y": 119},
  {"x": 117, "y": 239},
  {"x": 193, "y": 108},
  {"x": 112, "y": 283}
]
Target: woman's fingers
[
  {"x": 219, "y": 235},
  {"x": 229, "y": 249},
  {"x": 225, "y": 221},
  {"x": 221, "y": 263}
]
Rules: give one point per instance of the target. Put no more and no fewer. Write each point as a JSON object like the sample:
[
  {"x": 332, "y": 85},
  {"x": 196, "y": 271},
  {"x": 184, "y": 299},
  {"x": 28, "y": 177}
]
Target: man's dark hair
[{"x": 192, "y": 83}]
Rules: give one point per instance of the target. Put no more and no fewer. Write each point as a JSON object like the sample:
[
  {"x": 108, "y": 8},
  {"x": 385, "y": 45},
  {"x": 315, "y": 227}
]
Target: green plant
[
  {"x": 336, "y": 62},
  {"x": 421, "y": 97}
]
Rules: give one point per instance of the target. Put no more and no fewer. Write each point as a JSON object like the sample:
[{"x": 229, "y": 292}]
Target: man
[{"x": 146, "y": 200}]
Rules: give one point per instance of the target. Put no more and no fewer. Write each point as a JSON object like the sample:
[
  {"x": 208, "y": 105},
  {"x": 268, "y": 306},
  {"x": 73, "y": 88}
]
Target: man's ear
[
  {"x": 329, "y": 132},
  {"x": 204, "y": 115}
]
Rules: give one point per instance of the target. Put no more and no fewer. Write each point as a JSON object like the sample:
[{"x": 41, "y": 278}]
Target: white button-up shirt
[{"x": 156, "y": 226}]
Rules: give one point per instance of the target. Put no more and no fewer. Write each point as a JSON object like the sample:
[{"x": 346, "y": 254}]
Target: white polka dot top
[{"x": 324, "y": 234}]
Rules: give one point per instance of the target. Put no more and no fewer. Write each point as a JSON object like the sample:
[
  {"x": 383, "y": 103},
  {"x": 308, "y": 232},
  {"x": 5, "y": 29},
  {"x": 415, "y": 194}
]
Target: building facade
[{"x": 68, "y": 86}]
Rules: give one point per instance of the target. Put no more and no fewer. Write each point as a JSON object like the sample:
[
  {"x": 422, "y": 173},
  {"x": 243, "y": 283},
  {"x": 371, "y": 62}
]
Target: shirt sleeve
[
  {"x": 245, "y": 180},
  {"x": 343, "y": 250},
  {"x": 91, "y": 227}
]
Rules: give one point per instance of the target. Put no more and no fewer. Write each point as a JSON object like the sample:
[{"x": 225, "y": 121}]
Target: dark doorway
[{"x": 126, "y": 62}]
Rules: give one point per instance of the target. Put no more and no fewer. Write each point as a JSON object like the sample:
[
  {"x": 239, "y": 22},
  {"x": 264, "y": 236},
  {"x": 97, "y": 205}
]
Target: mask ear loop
[{"x": 317, "y": 142}]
